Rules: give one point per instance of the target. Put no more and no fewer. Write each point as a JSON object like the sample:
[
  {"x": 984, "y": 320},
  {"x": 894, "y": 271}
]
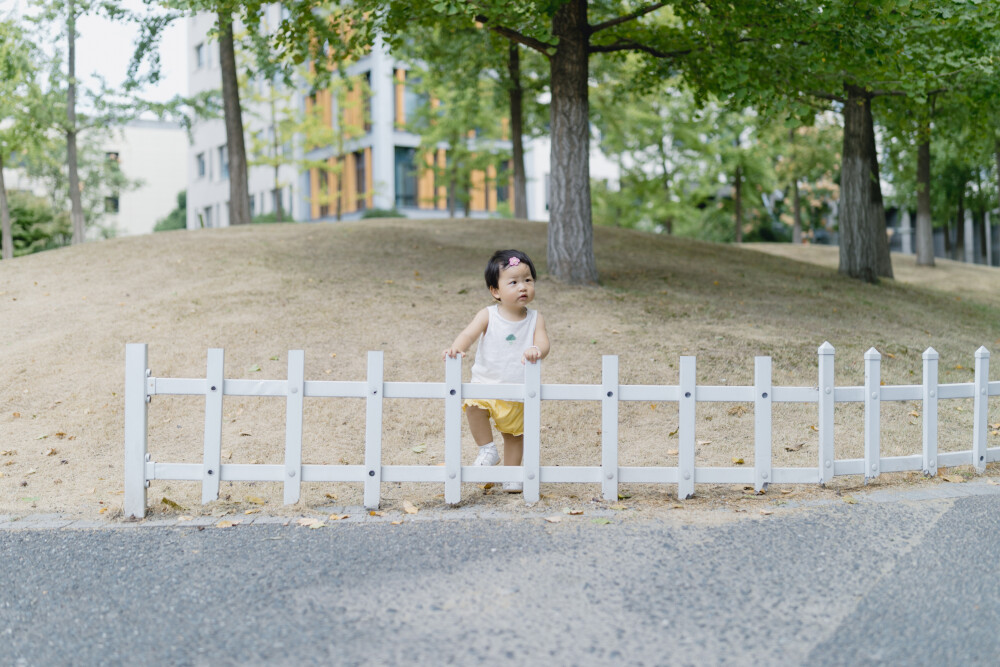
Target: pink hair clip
[{"x": 513, "y": 261}]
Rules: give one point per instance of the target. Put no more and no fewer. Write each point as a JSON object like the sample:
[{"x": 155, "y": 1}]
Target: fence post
[
  {"x": 531, "y": 457},
  {"x": 980, "y": 409},
  {"x": 930, "y": 425},
  {"x": 293, "y": 425},
  {"x": 609, "y": 427},
  {"x": 825, "y": 417},
  {"x": 873, "y": 412},
  {"x": 453, "y": 430},
  {"x": 136, "y": 422},
  {"x": 762, "y": 423},
  {"x": 373, "y": 431},
  {"x": 214, "y": 390},
  {"x": 685, "y": 429}
]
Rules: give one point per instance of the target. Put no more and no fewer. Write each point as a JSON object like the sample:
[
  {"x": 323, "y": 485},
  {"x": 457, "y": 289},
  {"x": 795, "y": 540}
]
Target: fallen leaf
[
  {"x": 601, "y": 520},
  {"x": 737, "y": 410},
  {"x": 704, "y": 442},
  {"x": 226, "y": 454},
  {"x": 572, "y": 512},
  {"x": 338, "y": 517},
  {"x": 767, "y": 512},
  {"x": 310, "y": 522},
  {"x": 395, "y": 523},
  {"x": 618, "y": 507},
  {"x": 914, "y": 414},
  {"x": 254, "y": 368},
  {"x": 224, "y": 524},
  {"x": 253, "y": 511},
  {"x": 419, "y": 449},
  {"x": 890, "y": 355},
  {"x": 8, "y": 452},
  {"x": 652, "y": 406},
  {"x": 737, "y": 461},
  {"x": 330, "y": 496},
  {"x": 787, "y": 492},
  {"x": 553, "y": 519},
  {"x": 50, "y": 452},
  {"x": 674, "y": 432},
  {"x": 813, "y": 427},
  {"x": 487, "y": 486},
  {"x": 954, "y": 479},
  {"x": 102, "y": 510},
  {"x": 409, "y": 507},
  {"x": 166, "y": 501},
  {"x": 850, "y": 500},
  {"x": 32, "y": 471},
  {"x": 376, "y": 513},
  {"x": 245, "y": 433},
  {"x": 16, "y": 415},
  {"x": 274, "y": 358},
  {"x": 184, "y": 518},
  {"x": 256, "y": 501},
  {"x": 794, "y": 448},
  {"x": 671, "y": 452}
]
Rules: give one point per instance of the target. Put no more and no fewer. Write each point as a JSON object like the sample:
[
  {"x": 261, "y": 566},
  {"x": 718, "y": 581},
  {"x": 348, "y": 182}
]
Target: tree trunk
[
  {"x": 947, "y": 239},
  {"x": 571, "y": 233},
  {"x": 517, "y": 133},
  {"x": 864, "y": 247},
  {"x": 959, "y": 248},
  {"x": 6, "y": 238},
  {"x": 278, "y": 212},
  {"x": 738, "y": 202},
  {"x": 925, "y": 232},
  {"x": 796, "y": 203},
  {"x": 981, "y": 228},
  {"x": 239, "y": 193},
  {"x": 76, "y": 205}
]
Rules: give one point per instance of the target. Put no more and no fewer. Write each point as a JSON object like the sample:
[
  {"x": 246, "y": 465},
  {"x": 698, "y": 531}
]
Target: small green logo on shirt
[{"x": 511, "y": 338}]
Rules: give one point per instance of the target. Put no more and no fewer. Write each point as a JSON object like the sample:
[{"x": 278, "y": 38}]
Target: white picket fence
[{"x": 141, "y": 386}]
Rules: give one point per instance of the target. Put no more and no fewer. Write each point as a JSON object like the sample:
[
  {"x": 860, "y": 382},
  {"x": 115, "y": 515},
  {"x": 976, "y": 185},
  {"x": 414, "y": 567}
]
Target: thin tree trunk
[
  {"x": 947, "y": 239},
  {"x": 668, "y": 222},
  {"x": 278, "y": 212},
  {"x": 6, "y": 238},
  {"x": 925, "y": 232},
  {"x": 738, "y": 202},
  {"x": 517, "y": 133},
  {"x": 796, "y": 203},
  {"x": 239, "y": 193},
  {"x": 571, "y": 232},
  {"x": 980, "y": 220},
  {"x": 959, "y": 248},
  {"x": 76, "y": 205},
  {"x": 864, "y": 248}
]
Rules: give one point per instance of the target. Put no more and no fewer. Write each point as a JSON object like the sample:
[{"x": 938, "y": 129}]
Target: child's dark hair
[{"x": 501, "y": 260}]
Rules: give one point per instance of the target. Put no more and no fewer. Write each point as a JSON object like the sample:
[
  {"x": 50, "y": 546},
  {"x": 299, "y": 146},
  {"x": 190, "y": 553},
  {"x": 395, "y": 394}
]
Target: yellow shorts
[{"x": 507, "y": 415}]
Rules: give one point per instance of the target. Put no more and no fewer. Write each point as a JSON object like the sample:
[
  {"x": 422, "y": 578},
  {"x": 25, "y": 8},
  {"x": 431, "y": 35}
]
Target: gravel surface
[{"x": 897, "y": 580}]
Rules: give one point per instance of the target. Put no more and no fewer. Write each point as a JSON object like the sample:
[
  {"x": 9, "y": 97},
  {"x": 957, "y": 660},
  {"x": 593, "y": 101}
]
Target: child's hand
[
  {"x": 532, "y": 354},
  {"x": 452, "y": 352}
]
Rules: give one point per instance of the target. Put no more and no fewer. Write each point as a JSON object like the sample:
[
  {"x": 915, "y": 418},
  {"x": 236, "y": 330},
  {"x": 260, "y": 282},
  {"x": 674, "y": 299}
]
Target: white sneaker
[
  {"x": 513, "y": 487},
  {"x": 488, "y": 456}
]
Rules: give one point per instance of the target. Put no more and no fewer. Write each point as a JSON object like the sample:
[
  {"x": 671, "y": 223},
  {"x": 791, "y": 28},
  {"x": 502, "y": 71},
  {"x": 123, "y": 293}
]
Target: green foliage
[
  {"x": 269, "y": 218},
  {"x": 177, "y": 218},
  {"x": 35, "y": 226},
  {"x": 381, "y": 213}
]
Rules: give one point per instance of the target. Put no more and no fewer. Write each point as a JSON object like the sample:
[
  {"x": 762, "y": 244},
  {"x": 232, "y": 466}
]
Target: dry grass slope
[{"x": 407, "y": 287}]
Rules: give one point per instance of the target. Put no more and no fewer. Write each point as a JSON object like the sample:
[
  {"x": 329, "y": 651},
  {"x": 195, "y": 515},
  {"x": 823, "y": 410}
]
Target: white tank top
[{"x": 498, "y": 355}]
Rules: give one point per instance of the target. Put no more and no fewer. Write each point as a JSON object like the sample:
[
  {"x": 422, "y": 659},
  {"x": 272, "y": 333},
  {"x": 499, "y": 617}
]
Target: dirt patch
[{"x": 407, "y": 287}]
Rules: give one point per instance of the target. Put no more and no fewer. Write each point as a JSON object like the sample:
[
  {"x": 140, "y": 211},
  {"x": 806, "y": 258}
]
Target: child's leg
[
  {"x": 513, "y": 449},
  {"x": 479, "y": 424}
]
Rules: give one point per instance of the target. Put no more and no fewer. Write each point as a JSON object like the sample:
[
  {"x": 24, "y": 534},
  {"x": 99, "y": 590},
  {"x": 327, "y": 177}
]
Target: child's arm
[
  {"x": 469, "y": 335},
  {"x": 540, "y": 347}
]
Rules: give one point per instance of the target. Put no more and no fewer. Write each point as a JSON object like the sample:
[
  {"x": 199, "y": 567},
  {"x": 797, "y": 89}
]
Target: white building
[
  {"x": 377, "y": 169},
  {"x": 154, "y": 153}
]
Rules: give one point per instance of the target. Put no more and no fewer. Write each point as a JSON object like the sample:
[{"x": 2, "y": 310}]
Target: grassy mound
[{"x": 407, "y": 287}]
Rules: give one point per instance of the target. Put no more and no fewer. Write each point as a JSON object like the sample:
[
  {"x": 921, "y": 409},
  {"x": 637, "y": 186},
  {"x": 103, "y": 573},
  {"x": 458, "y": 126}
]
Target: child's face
[{"x": 516, "y": 287}]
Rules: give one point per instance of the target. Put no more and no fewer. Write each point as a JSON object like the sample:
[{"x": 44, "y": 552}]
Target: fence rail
[{"x": 141, "y": 386}]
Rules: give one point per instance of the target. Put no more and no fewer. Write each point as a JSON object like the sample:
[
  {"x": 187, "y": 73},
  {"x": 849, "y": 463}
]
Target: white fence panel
[{"x": 140, "y": 387}]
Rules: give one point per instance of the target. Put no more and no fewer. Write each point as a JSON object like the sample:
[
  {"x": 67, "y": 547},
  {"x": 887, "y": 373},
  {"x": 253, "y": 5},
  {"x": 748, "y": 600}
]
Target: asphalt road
[{"x": 908, "y": 582}]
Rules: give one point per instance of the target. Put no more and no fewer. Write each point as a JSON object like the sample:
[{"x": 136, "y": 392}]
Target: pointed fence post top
[
  {"x": 825, "y": 348},
  {"x": 982, "y": 353},
  {"x": 930, "y": 354},
  {"x": 872, "y": 354}
]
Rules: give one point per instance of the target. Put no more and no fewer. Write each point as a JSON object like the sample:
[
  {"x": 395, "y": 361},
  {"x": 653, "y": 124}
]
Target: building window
[
  {"x": 199, "y": 56},
  {"x": 207, "y": 216},
  {"x": 223, "y": 163},
  {"x": 111, "y": 204},
  {"x": 253, "y": 206},
  {"x": 366, "y": 102},
  {"x": 503, "y": 182},
  {"x": 199, "y": 161},
  {"x": 359, "y": 174},
  {"x": 406, "y": 177}
]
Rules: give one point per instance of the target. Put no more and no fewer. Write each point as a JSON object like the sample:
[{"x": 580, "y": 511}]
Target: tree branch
[
  {"x": 542, "y": 47},
  {"x": 629, "y": 45},
  {"x": 625, "y": 19}
]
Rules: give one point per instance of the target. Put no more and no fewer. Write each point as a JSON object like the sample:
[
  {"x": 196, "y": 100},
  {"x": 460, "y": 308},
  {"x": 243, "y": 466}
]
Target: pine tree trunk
[
  {"x": 925, "y": 232},
  {"x": 76, "y": 205},
  {"x": 571, "y": 232},
  {"x": 864, "y": 247},
  {"x": 517, "y": 133},
  {"x": 6, "y": 237},
  {"x": 239, "y": 193},
  {"x": 738, "y": 202}
]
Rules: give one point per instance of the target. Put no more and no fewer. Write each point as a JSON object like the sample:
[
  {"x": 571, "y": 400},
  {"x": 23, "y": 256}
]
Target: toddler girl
[{"x": 509, "y": 334}]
